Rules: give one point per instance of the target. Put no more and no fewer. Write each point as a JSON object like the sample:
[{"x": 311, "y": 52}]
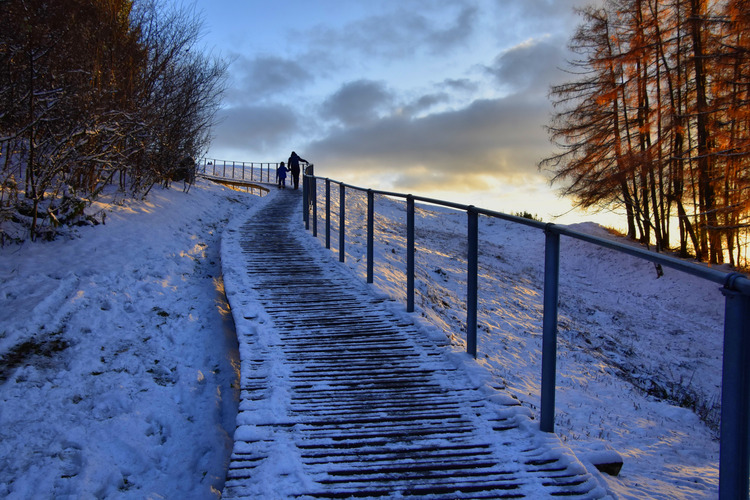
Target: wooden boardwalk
[{"x": 341, "y": 397}]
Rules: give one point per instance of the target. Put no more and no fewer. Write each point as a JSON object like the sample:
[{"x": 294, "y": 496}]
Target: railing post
[
  {"x": 328, "y": 213},
  {"x": 342, "y": 222},
  {"x": 243, "y": 170},
  {"x": 305, "y": 202},
  {"x": 734, "y": 455},
  {"x": 549, "y": 328},
  {"x": 232, "y": 170},
  {"x": 370, "y": 235},
  {"x": 314, "y": 201},
  {"x": 471, "y": 281},
  {"x": 409, "y": 253},
  {"x": 224, "y": 172}
]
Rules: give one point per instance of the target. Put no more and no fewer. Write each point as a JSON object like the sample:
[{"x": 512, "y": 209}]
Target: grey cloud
[
  {"x": 531, "y": 66},
  {"x": 402, "y": 31},
  {"x": 460, "y": 85},
  {"x": 357, "y": 103},
  {"x": 269, "y": 75},
  {"x": 424, "y": 103},
  {"x": 544, "y": 13},
  {"x": 519, "y": 20},
  {"x": 501, "y": 137},
  {"x": 444, "y": 39},
  {"x": 545, "y": 8},
  {"x": 255, "y": 127}
]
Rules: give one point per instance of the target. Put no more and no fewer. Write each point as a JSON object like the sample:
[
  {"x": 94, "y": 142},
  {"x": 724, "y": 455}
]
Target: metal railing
[
  {"x": 734, "y": 457},
  {"x": 239, "y": 170}
]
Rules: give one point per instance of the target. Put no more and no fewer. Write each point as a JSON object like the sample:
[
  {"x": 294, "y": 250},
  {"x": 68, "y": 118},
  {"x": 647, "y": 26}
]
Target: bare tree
[{"x": 91, "y": 89}]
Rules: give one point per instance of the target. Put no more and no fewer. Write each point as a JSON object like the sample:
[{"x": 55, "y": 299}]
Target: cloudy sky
[{"x": 432, "y": 97}]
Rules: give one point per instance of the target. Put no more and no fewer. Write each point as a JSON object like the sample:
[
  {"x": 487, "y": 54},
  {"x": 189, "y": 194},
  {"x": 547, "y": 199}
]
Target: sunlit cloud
[{"x": 489, "y": 137}]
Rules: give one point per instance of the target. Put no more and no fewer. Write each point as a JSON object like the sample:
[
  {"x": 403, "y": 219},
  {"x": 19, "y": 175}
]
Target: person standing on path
[{"x": 294, "y": 161}]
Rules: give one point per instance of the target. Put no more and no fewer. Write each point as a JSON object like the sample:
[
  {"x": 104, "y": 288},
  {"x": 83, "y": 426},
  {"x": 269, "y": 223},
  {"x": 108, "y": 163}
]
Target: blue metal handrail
[{"x": 734, "y": 466}]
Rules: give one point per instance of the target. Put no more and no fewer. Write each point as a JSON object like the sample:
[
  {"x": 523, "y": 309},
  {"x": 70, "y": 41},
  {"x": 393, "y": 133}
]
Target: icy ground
[{"x": 119, "y": 368}]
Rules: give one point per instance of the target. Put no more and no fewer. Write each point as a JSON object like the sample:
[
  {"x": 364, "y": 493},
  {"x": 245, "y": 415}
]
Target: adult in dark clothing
[{"x": 293, "y": 165}]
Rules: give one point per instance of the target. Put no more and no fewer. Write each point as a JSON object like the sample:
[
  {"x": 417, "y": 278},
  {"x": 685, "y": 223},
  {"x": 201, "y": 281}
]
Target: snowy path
[{"x": 343, "y": 396}]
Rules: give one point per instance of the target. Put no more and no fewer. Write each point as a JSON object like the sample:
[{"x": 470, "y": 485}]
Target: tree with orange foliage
[{"x": 657, "y": 121}]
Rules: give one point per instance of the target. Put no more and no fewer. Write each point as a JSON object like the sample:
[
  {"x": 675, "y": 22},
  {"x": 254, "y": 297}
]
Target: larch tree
[
  {"x": 656, "y": 121},
  {"x": 587, "y": 126}
]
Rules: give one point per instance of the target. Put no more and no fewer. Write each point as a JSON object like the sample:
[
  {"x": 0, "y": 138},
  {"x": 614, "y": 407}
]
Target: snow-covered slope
[
  {"x": 119, "y": 355},
  {"x": 624, "y": 334},
  {"x": 118, "y": 371}
]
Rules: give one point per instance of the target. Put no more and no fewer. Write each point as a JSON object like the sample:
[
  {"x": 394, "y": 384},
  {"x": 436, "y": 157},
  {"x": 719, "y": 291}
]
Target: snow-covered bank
[
  {"x": 126, "y": 389},
  {"x": 122, "y": 383},
  {"x": 623, "y": 331}
]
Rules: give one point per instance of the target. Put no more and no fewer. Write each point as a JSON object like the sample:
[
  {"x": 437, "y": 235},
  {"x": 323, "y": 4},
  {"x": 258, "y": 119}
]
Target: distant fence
[
  {"x": 734, "y": 464},
  {"x": 239, "y": 170}
]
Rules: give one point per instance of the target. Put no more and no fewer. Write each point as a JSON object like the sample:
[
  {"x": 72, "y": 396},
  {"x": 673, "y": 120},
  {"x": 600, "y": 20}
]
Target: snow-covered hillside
[
  {"x": 119, "y": 365},
  {"x": 624, "y": 333},
  {"x": 119, "y": 355}
]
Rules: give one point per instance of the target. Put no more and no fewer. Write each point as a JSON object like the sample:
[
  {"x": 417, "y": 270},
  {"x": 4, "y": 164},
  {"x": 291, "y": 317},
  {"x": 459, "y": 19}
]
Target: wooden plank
[{"x": 368, "y": 411}]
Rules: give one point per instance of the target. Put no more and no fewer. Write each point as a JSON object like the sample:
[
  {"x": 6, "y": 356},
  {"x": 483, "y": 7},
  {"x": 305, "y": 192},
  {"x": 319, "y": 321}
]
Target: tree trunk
[{"x": 706, "y": 192}]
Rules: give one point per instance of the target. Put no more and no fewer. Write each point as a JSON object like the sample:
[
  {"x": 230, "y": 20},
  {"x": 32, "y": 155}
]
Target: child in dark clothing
[{"x": 281, "y": 175}]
